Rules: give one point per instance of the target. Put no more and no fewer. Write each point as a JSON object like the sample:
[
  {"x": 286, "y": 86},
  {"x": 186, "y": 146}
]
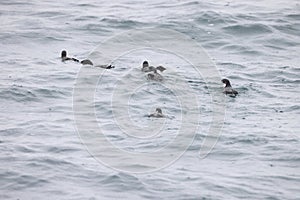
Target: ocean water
[{"x": 43, "y": 153}]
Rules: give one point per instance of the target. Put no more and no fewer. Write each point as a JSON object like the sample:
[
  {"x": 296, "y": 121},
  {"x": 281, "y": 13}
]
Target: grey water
[{"x": 255, "y": 44}]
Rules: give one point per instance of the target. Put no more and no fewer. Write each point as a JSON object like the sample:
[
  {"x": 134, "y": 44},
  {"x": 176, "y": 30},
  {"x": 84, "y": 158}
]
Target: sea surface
[{"x": 43, "y": 153}]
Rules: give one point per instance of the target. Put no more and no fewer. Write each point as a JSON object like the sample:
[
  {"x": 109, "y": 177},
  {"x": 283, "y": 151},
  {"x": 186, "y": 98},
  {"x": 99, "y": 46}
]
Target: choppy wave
[{"x": 254, "y": 45}]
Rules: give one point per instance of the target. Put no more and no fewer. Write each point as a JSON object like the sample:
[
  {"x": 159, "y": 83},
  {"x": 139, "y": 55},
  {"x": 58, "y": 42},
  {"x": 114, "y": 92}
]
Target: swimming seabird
[{"x": 228, "y": 88}]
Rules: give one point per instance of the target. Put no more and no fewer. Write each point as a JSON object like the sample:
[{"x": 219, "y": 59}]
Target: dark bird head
[
  {"x": 145, "y": 64},
  {"x": 63, "y": 54},
  {"x": 158, "y": 110},
  {"x": 226, "y": 82}
]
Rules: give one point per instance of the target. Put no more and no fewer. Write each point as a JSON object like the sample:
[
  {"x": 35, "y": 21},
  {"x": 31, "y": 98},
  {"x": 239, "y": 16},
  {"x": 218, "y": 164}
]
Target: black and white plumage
[
  {"x": 154, "y": 76},
  {"x": 158, "y": 113},
  {"x": 153, "y": 71},
  {"x": 228, "y": 88},
  {"x": 147, "y": 68},
  {"x": 64, "y": 57}
]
